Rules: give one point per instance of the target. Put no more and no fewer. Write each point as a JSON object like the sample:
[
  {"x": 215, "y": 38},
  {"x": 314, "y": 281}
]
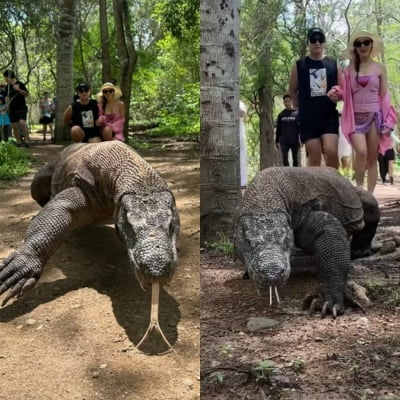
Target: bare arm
[
  {"x": 293, "y": 86},
  {"x": 67, "y": 115},
  {"x": 122, "y": 109}
]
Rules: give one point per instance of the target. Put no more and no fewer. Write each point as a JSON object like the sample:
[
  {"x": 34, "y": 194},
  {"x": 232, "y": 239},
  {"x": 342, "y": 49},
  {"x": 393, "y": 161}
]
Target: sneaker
[{"x": 391, "y": 180}]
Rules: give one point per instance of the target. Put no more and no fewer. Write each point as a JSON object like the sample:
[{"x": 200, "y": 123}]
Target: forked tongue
[{"x": 155, "y": 299}]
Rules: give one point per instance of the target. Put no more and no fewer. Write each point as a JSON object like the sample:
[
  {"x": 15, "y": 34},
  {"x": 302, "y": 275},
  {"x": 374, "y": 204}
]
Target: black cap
[
  {"x": 315, "y": 31},
  {"x": 82, "y": 85}
]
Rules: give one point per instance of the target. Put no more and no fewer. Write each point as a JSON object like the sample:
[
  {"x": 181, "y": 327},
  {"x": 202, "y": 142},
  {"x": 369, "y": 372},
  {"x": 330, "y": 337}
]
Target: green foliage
[
  {"x": 355, "y": 371},
  {"x": 218, "y": 377},
  {"x": 297, "y": 365},
  {"x": 226, "y": 351},
  {"x": 166, "y": 87},
  {"x": 223, "y": 246},
  {"x": 394, "y": 298},
  {"x": 346, "y": 173},
  {"x": 14, "y": 161},
  {"x": 138, "y": 144},
  {"x": 264, "y": 371},
  {"x": 179, "y": 16}
]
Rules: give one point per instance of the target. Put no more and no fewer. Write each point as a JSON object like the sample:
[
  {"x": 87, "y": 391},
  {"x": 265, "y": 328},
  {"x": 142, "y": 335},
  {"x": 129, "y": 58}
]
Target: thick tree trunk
[
  {"x": 105, "y": 53},
  {"x": 126, "y": 51},
  {"x": 65, "y": 47},
  {"x": 219, "y": 132},
  {"x": 267, "y": 134}
]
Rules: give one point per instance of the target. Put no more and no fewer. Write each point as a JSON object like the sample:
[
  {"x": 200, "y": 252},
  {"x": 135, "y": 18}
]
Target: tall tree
[
  {"x": 105, "y": 42},
  {"x": 219, "y": 117},
  {"x": 65, "y": 51},
  {"x": 126, "y": 51},
  {"x": 261, "y": 33}
]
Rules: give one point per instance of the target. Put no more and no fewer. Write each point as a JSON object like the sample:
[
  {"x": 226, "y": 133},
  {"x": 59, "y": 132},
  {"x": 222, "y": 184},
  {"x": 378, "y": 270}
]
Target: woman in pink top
[
  {"x": 111, "y": 112},
  {"x": 366, "y": 84}
]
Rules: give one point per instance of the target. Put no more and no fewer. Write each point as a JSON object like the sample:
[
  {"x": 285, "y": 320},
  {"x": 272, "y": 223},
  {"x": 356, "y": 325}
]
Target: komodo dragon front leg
[
  {"x": 323, "y": 235},
  {"x": 22, "y": 269}
]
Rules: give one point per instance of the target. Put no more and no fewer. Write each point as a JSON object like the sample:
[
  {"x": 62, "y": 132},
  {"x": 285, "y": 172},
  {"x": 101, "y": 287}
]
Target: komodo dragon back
[{"x": 293, "y": 189}]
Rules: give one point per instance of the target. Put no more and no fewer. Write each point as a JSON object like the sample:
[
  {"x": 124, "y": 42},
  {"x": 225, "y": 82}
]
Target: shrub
[{"x": 14, "y": 161}]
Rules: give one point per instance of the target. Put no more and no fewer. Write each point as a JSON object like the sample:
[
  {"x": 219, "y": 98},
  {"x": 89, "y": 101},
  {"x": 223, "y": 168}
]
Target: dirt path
[
  {"x": 302, "y": 357},
  {"x": 72, "y": 337}
]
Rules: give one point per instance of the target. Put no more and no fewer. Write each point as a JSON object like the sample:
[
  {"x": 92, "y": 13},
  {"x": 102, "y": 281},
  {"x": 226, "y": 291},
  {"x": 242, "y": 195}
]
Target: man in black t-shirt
[
  {"x": 82, "y": 115},
  {"x": 311, "y": 79},
  {"x": 287, "y": 132},
  {"x": 18, "y": 110}
]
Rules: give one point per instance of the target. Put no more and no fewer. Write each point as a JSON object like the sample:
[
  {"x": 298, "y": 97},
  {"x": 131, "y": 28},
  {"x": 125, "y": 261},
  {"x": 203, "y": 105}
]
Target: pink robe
[
  {"x": 115, "y": 122},
  {"x": 389, "y": 114}
]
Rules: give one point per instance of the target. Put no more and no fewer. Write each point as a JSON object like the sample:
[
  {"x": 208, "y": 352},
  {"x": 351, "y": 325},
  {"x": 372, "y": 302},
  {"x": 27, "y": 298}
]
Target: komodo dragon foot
[
  {"x": 18, "y": 273},
  {"x": 315, "y": 302}
]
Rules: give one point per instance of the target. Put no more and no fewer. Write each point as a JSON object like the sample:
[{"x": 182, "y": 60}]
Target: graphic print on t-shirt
[
  {"x": 318, "y": 82},
  {"x": 290, "y": 118},
  {"x": 87, "y": 119}
]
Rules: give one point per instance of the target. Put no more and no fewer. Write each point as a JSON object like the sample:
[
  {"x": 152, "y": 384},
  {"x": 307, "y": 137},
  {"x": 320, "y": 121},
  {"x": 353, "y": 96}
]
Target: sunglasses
[
  {"x": 83, "y": 90},
  {"x": 359, "y": 43},
  {"x": 316, "y": 39},
  {"x": 108, "y": 91}
]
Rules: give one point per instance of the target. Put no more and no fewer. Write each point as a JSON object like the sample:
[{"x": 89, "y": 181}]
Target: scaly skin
[
  {"x": 88, "y": 183},
  {"x": 315, "y": 209}
]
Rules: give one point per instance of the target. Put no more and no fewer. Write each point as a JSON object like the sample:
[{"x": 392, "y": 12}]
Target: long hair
[
  {"x": 103, "y": 103},
  {"x": 357, "y": 61}
]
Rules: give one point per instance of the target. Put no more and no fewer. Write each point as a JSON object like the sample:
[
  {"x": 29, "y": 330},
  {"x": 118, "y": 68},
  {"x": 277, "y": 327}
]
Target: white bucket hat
[{"x": 377, "y": 44}]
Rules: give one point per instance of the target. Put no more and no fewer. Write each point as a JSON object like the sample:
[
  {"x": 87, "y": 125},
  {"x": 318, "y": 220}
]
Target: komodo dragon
[
  {"x": 86, "y": 184},
  {"x": 315, "y": 209}
]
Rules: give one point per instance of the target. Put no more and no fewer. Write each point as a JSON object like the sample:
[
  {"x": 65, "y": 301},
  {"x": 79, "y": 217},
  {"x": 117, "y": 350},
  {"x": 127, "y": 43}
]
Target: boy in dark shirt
[{"x": 287, "y": 132}]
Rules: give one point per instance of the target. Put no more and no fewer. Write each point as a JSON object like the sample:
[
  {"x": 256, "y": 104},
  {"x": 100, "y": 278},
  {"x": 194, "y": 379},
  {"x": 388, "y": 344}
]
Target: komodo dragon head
[
  {"x": 148, "y": 224},
  {"x": 264, "y": 243}
]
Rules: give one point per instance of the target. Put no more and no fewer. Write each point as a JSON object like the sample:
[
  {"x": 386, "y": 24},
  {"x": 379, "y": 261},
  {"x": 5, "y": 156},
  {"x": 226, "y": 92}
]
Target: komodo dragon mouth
[{"x": 271, "y": 290}]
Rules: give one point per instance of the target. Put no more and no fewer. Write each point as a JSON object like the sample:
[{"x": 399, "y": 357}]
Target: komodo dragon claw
[
  {"x": 314, "y": 302},
  {"x": 154, "y": 324},
  {"x": 18, "y": 273}
]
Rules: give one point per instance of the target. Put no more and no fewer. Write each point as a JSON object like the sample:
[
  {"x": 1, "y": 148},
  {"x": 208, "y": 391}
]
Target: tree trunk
[
  {"x": 267, "y": 135},
  {"x": 126, "y": 51},
  {"x": 301, "y": 25},
  {"x": 65, "y": 47},
  {"x": 105, "y": 42},
  {"x": 219, "y": 116},
  {"x": 379, "y": 14}
]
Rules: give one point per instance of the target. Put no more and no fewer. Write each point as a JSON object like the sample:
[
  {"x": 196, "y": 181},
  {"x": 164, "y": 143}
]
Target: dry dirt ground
[
  {"x": 303, "y": 357},
  {"x": 73, "y": 336}
]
